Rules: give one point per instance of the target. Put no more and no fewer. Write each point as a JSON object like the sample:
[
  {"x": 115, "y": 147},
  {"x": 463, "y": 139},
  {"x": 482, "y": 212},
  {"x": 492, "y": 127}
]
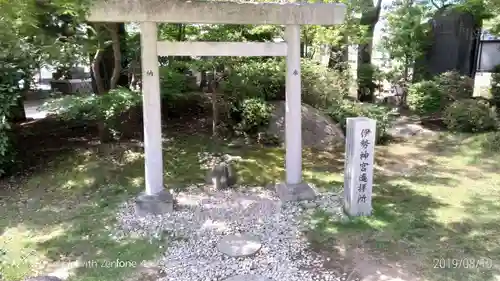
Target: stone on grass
[
  {"x": 222, "y": 176},
  {"x": 295, "y": 192},
  {"x": 239, "y": 245},
  {"x": 247, "y": 278},
  {"x": 157, "y": 204},
  {"x": 43, "y": 278}
]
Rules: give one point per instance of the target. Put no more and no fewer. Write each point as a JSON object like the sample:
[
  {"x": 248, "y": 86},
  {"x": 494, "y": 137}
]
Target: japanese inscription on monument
[{"x": 358, "y": 172}]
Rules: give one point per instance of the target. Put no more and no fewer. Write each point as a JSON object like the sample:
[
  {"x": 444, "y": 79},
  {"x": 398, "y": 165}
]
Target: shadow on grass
[
  {"x": 475, "y": 149},
  {"x": 429, "y": 222},
  {"x": 63, "y": 214}
]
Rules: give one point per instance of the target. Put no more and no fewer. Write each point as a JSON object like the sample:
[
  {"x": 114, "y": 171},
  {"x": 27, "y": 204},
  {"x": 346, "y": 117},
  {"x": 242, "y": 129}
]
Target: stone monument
[{"x": 358, "y": 170}]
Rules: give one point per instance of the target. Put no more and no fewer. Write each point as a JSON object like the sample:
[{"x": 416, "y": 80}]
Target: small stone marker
[
  {"x": 239, "y": 245},
  {"x": 358, "y": 169},
  {"x": 247, "y": 278},
  {"x": 222, "y": 176}
]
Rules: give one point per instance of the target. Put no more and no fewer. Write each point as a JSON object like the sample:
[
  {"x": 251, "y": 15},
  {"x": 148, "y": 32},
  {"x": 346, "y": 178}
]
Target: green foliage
[
  {"x": 172, "y": 82},
  {"x": 491, "y": 142},
  {"x": 478, "y": 8},
  {"x": 254, "y": 114},
  {"x": 109, "y": 108},
  {"x": 94, "y": 107},
  {"x": 253, "y": 78},
  {"x": 495, "y": 86},
  {"x": 424, "y": 97},
  {"x": 455, "y": 86},
  {"x": 344, "y": 109},
  {"x": 9, "y": 93},
  {"x": 433, "y": 96},
  {"x": 470, "y": 115},
  {"x": 406, "y": 34},
  {"x": 266, "y": 80},
  {"x": 369, "y": 76},
  {"x": 322, "y": 86}
]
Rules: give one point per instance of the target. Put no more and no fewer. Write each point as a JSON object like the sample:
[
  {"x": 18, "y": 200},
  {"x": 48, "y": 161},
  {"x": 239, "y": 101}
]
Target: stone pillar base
[
  {"x": 295, "y": 192},
  {"x": 157, "y": 204}
]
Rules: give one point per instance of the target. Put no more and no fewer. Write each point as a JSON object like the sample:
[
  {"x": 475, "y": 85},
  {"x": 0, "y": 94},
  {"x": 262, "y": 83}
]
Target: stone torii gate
[{"x": 150, "y": 12}]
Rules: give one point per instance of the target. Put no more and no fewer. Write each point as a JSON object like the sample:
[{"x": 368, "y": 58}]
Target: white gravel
[{"x": 202, "y": 219}]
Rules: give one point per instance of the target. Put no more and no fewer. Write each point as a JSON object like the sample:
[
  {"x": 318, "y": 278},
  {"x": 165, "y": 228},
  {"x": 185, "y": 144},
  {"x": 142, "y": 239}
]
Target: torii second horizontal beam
[{"x": 216, "y": 12}]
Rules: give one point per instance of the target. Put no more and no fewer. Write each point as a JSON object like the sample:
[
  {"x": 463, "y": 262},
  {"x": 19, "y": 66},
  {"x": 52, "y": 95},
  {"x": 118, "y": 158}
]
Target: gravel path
[{"x": 203, "y": 219}]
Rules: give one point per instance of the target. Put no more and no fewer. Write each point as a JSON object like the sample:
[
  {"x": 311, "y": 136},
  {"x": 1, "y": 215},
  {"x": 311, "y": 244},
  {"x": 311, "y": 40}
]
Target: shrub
[
  {"x": 490, "y": 142},
  {"x": 322, "y": 86},
  {"x": 172, "y": 82},
  {"x": 424, "y": 97},
  {"x": 177, "y": 99},
  {"x": 266, "y": 80},
  {"x": 254, "y": 114},
  {"x": 255, "y": 79},
  {"x": 495, "y": 87},
  {"x": 108, "y": 107},
  {"x": 455, "y": 86},
  {"x": 9, "y": 93},
  {"x": 344, "y": 109},
  {"x": 470, "y": 115},
  {"x": 369, "y": 76}
]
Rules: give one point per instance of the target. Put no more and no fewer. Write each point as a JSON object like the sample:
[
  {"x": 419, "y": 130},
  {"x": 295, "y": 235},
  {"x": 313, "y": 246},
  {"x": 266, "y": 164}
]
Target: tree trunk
[
  {"x": 106, "y": 69},
  {"x": 212, "y": 88},
  {"x": 366, "y": 89}
]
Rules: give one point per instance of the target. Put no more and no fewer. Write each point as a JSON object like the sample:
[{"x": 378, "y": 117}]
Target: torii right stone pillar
[{"x": 293, "y": 189}]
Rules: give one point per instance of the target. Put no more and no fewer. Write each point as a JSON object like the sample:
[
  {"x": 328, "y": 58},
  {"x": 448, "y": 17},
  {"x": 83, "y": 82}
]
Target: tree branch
[{"x": 96, "y": 63}]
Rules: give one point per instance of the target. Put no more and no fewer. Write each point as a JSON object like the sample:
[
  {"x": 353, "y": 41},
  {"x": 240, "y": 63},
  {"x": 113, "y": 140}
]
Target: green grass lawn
[
  {"x": 433, "y": 199},
  {"x": 436, "y": 211}
]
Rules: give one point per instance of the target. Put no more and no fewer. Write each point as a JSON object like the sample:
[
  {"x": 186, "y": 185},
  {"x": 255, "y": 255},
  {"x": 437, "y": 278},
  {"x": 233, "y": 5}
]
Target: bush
[
  {"x": 470, "y": 115},
  {"x": 172, "y": 82},
  {"x": 322, "y": 86},
  {"x": 92, "y": 106},
  {"x": 266, "y": 80},
  {"x": 369, "y": 76},
  {"x": 344, "y": 109},
  {"x": 255, "y": 79},
  {"x": 108, "y": 107},
  {"x": 455, "y": 86},
  {"x": 490, "y": 142},
  {"x": 425, "y": 97},
  {"x": 254, "y": 114},
  {"x": 177, "y": 99},
  {"x": 9, "y": 93},
  {"x": 495, "y": 87}
]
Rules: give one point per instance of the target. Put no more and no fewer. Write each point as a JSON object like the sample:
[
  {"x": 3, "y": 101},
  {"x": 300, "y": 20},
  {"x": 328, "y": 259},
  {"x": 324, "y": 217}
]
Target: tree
[
  {"x": 405, "y": 35},
  {"x": 369, "y": 18}
]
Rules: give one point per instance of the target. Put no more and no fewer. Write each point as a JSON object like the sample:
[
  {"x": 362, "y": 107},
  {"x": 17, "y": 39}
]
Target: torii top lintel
[{"x": 216, "y": 12}]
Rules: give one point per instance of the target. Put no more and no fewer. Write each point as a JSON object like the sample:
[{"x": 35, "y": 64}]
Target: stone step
[
  {"x": 248, "y": 277},
  {"x": 239, "y": 245}
]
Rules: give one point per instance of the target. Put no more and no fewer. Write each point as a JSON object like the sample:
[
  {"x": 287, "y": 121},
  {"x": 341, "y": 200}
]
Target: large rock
[
  {"x": 405, "y": 127},
  {"x": 318, "y": 130}
]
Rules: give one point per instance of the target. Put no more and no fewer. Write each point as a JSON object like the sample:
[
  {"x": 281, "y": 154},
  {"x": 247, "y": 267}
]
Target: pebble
[{"x": 281, "y": 252}]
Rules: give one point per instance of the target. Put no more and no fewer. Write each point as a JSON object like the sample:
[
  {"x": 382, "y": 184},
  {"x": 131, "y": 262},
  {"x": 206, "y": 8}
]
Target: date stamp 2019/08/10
[{"x": 467, "y": 263}]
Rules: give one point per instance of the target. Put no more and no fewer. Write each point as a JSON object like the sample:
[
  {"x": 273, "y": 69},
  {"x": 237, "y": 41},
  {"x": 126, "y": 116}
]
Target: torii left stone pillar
[{"x": 149, "y": 12}]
